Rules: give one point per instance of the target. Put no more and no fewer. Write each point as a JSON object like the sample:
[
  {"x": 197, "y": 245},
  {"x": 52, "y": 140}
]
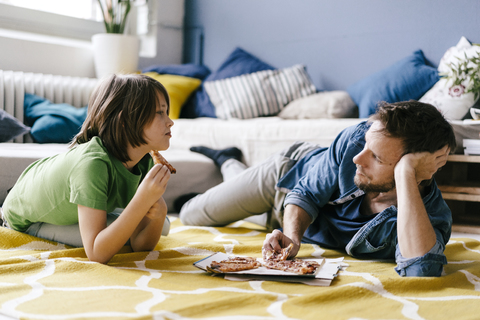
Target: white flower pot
[{"x": 115, "y": 53}]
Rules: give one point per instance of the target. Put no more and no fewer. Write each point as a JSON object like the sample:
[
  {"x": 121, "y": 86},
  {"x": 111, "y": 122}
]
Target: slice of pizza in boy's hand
[{"x": 159, "y": 159}]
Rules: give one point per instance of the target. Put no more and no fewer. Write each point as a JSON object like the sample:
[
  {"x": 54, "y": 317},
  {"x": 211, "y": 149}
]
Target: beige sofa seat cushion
[{"x": 195, "y": 172}]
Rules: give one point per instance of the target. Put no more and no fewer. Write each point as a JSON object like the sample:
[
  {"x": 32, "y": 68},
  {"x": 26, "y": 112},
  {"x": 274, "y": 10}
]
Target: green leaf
[{"x": 115, "y": 15}]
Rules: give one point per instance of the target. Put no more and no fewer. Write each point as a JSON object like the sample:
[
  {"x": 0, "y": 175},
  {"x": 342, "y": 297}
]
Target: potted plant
[
  {"x": 464, "y": 76},
  {"x": 115, "y": 14},
  {"x": 114, "y": 51}
]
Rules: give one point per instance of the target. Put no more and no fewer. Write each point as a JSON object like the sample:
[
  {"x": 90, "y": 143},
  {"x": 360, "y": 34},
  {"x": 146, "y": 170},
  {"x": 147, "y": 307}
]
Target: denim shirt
[{"x": 330, "y": 182}]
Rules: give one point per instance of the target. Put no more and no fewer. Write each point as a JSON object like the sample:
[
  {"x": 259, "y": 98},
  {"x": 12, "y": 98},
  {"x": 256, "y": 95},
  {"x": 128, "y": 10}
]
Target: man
[{"x": 370, "y": 193}]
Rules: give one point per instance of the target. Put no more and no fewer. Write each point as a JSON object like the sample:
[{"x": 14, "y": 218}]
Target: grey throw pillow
[
  {"x": 10, "y": 127},
  {"x": 326, "y": 104}
]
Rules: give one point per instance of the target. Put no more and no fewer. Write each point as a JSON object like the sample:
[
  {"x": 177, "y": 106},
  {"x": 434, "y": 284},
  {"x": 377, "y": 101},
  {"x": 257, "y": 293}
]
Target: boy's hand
[
  {"x": 154, "y": 184},
  {"x": 158, "y": 210}
]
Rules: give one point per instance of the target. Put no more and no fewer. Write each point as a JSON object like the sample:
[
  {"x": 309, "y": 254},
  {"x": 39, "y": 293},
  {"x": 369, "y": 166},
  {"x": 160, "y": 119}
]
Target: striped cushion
[{"x": 262, "y": 93}]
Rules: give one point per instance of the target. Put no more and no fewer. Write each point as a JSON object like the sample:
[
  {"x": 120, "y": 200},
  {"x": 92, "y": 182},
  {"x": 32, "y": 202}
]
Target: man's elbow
[
  {"x": 429, "y": 265},
  {"x": 421, "y": 270}
]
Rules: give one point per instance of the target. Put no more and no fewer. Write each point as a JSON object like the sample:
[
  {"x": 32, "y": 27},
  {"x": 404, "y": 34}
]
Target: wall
[
  {"x": 22, "y": 51},
  {"x": 340, "y": 41},
  {"x": 169, "y": 33}
]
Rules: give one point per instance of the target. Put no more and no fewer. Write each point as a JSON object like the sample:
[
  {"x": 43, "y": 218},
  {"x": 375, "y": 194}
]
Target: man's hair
[
  {"x": 119, "y": 109},
  {"x": 420, "y": 125}
]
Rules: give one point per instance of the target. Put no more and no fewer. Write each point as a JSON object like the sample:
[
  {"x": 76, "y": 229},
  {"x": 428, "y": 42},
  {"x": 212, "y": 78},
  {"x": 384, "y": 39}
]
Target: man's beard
[{"x": 370, "y": 187}]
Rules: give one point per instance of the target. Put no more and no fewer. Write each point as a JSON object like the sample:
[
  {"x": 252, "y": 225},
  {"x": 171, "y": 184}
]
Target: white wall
[
  {"x": 23, "y": 51},
  {"x": 169, "y": 34}
]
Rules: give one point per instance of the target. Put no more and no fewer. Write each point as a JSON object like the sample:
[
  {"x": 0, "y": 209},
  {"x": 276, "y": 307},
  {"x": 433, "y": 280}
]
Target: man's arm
[
  {"x": 315, "y": 189},
  {"x": 295, "y": 222},
  {"x": 416, "y": 235}
]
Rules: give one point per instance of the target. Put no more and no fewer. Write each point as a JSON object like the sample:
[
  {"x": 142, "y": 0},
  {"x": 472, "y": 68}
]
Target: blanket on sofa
[{"x": 47, "y": 280}]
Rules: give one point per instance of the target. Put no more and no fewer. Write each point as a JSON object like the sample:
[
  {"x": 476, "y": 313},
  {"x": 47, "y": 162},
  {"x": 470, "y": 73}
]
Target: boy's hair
[
  {"x": 119, "y": 109},
  {"x": 420, "y": 125}
]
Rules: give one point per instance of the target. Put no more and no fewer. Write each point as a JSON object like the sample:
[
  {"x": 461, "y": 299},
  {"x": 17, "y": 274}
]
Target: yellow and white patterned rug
[{"x": 46, "y": 280}]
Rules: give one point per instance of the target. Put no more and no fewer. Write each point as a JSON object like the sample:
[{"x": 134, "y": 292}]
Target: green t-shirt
[{"x": 50, "y": 189}]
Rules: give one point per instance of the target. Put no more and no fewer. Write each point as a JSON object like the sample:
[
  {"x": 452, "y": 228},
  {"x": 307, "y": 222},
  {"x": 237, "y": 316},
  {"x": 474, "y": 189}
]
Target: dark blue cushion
[
  {"x": 52, "y": 122},
  {"x": 237, "y": 63},
  {"x": 405, "y": 80},
  {"x": 10, "y": 127},
  {"x": 187, "y": 70},
  {"x": 54, "y": 129}
]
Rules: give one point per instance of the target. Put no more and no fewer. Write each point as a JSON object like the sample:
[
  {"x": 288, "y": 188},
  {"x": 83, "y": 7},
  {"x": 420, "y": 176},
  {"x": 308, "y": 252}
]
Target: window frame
[{"x": 47, "y": 23}]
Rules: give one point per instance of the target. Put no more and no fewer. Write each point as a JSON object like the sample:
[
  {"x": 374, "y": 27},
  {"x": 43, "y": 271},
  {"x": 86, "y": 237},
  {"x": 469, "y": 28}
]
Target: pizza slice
[
  {"x": 234, "y": 264},
  {"x": 281, "y": 256},
  {"x": 159, "y": 159},
  {"x": 296, "y": 266}
]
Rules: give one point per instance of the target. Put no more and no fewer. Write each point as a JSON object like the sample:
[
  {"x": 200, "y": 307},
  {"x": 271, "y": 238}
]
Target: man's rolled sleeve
[
  {"x": 428, "y": 265},
  {"x": 297, "y": 199}
]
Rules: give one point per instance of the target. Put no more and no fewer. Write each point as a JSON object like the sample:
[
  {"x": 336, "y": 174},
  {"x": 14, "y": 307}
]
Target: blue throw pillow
[
  {"x": 52, "y": 122},
  {"x": 54, "y": 129},
  {"x": 237, "y": 63},
  {"x": 187, "y": 70},
  {"x": 405, "y": 80},
  {"x": 10, "y": 127}
]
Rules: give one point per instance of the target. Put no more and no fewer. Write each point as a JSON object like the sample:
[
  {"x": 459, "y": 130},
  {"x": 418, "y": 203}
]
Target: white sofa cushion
[
  {"x": 195, "y": 173},
  {"x": 257, "y": 138}
]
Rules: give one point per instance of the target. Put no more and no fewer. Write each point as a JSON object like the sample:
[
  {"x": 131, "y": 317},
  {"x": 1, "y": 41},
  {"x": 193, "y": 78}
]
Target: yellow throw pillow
[{"x": 179, "y": 89}]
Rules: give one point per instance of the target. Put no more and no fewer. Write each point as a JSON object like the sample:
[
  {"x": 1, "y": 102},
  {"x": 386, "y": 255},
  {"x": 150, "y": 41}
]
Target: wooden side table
[{"x": 459, "y": 181}]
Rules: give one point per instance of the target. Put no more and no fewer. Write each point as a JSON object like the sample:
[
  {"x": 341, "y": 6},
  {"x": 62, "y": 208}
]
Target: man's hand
[
  {"x": 422, "y": 164},
  {"x": 276, "y": 241},
  {"x": 415, "y": 232},
  {"x": 295, "y": 222}
]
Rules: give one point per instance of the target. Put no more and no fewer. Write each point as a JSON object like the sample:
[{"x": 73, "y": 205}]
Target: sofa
[
  {"x": 245, "y": 103},
  {"x": 257, "y": 138},
  {"x": 40, "y": 113}
]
